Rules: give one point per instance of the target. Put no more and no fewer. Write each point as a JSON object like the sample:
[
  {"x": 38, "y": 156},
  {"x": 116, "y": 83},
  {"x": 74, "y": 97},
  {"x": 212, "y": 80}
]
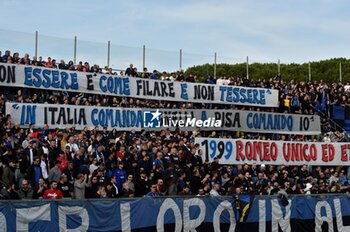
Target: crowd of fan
[{"x": 95, "y": 163}]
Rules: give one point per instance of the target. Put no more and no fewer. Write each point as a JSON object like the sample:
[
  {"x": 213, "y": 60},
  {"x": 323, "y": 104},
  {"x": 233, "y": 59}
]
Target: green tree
[{"x": 327, "y": 70}]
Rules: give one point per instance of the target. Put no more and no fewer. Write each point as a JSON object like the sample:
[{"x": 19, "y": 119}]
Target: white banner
[
  {"x": 13, "y": 75},
  {"x": 241, "y": 151},
  {"x": 62, "y": 116}
]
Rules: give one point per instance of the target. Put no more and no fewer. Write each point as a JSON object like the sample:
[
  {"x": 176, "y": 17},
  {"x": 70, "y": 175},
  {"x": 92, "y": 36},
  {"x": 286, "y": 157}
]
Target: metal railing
[
  {"x": 118, "y": 57},
  {"x": 323, "y": 195}
]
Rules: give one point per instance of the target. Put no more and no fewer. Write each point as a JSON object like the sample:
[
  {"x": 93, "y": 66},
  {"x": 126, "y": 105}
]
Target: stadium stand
[{"x": 43, "y": 162}]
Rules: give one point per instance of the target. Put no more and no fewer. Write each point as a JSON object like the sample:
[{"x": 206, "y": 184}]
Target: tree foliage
[{"x": 327, "y": 70}]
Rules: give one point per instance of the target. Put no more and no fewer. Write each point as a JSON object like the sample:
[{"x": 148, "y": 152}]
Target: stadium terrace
[{"x": 77, "y": 132}]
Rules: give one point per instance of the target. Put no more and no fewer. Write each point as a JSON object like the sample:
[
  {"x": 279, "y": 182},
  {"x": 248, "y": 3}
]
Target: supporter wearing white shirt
[
  {"x": 73, "y": 147},
  {"x": 307, "y": 190},
  {"x": 215, "y": 191},
  {"x": 327, "y": 139},
  {"x": 43, "y": 167},
  {"x": 165, "y": 77},
  {"x": 45, "y": 150},
  {"x": 347, "y": 87},
  {"x": 26, "y": 142},
  {"x": 220, "y": 81},
  {"x": 171, "y": 78},
  {"x": 93, "y": 166}
]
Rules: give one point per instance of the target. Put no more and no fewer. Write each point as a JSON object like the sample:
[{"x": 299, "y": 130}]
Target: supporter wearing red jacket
[
  {"x": 64, "y": 161},
  {"x": 120, "y": 154},
  {"x": 53, "y": 192}
]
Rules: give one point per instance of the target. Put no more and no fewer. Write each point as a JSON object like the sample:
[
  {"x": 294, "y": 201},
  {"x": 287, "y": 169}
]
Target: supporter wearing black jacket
[
  {"x": 91, "y": 191},
  {"x": 145, "y": 164},
  {"x": 8, "y": 193},
  {"x": 65, "y": 187},
  {"x": 142, "y": 185},
  {"x": 39, "y": 190},
  {"x": 130, "y": 71},
  {"x": 29, "y": 153},
  {"x": 8, "y": 176},
  {"x": 53, "y": 153},
  {"x": 112, "y": 189},
  {"x": 69, "y": 172}
]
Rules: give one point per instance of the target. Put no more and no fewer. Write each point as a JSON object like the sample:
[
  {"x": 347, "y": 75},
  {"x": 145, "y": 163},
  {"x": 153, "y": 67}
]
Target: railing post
[
  {"x": 180, "y": 60},
  {"x": 247, "y": 67},
  {"x": 215, "y": 65},
  {"x": 36, "y": 43},
  {"x": 108, "y": 52},
  {"x": 144, "y": 57},
  {"x": 75, "y": 50},
  {"x": 309, "y": 71}
]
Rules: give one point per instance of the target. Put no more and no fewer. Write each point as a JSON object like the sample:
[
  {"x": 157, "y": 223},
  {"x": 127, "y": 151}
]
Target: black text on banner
[{"x": 62, "y": 116}]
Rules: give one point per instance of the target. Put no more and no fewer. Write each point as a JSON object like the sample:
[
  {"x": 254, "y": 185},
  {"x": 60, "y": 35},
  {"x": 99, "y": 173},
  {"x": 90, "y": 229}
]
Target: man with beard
[
  {"x": 30, "y": 152},
  {"x": 8, "y": 176},
  {"x": 91, "y": 190},
  {"x": 161, "y": 187},
  {"x": 53, "y": 192},
  {"x": 40, "y": 189},
  {"x": 64, "y": 187},
  {"x": 112, "y": 189},
  {"x": 35, "y": 172},
  {"x": 53, "y": 153},
  {"x": 25, "y": 192},
  {"x": 142, "y": 185}
]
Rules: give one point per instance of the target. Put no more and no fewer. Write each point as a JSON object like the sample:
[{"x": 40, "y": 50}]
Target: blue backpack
[{"x": 295, "y": 101}]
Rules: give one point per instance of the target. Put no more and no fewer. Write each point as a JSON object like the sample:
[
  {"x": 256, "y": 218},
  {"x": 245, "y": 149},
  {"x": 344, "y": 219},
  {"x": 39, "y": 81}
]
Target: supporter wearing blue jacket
[
  {"x": 5, "y": 57},
  {"x": 153, "y": 192},
  {"x": 120, "y": 175}
]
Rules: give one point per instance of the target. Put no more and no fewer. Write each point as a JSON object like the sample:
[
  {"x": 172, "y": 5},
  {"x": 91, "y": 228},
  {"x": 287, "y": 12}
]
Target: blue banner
[{"x": 303, "y": 213}]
